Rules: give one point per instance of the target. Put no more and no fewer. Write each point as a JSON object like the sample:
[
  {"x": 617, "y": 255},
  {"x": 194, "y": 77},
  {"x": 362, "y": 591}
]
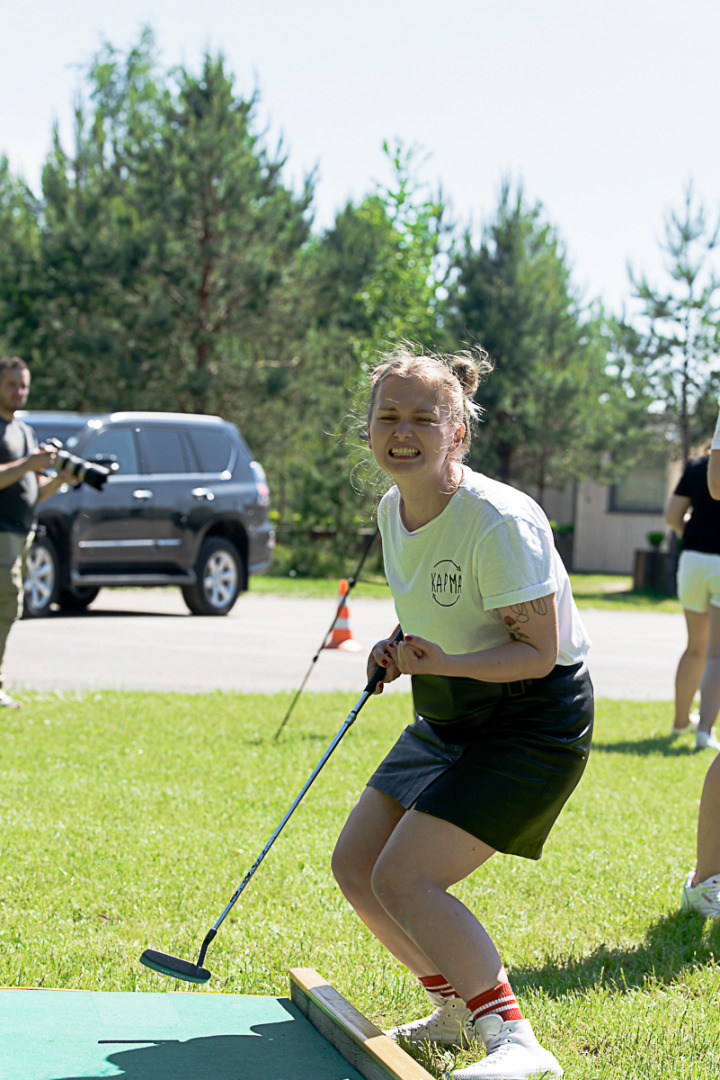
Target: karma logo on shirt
[{"x": 446, "y": 583}]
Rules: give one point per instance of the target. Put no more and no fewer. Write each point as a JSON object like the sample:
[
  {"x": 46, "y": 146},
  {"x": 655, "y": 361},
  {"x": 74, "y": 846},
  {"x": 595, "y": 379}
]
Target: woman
[
  {"x": 503, "y": 703},
  {"x": 694, "y": 515},
  {"x": 701, "y": 891}
]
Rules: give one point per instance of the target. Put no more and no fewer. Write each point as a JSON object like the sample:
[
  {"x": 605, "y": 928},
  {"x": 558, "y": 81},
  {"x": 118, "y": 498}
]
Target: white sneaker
[
  {"x": 9, "y": 702},
  {"x": 451, "y": 1024},
  {"x": 513, "y": 1053},
  {"x": 703, "y": 897},
  {"x": 705, "y": 740},
  {"x": 694, "y": 719}
]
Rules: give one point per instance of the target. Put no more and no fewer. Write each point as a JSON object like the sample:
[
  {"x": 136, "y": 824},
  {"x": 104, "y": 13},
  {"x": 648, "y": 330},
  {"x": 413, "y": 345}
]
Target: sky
[{"x": 604, "y": 111}]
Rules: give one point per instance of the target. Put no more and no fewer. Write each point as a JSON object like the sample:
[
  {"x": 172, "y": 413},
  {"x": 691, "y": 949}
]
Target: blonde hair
[{"x": 455, "y": 378}]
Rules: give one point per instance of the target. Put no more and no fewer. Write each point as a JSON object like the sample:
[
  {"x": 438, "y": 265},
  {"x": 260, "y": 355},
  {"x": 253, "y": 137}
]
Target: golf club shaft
[
  {"x": 376, "y": 677},
  {"x": 341, "y": 603}
]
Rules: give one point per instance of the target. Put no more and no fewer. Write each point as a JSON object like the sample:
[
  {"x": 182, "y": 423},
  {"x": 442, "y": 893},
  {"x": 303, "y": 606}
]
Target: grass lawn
[
  {"x": 610, "y": 591},
  {"x": 128, "y": 820}
]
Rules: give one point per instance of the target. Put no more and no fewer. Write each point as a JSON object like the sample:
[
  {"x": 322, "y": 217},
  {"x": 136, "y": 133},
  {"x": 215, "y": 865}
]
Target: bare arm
[
  {"x": 530, "y": 653},
  {"x": 48, "y": 485},
  {"x": 714, "y": 474},
  {"x": 676, "y": 512},
  {"x": 37, "y": 462}
]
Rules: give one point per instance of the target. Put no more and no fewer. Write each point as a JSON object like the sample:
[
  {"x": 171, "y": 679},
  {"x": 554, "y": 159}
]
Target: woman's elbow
[{"x": 545, "y": 661}]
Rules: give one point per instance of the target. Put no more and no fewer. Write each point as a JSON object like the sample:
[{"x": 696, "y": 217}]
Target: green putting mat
[{"x": 76, "y": 1035}]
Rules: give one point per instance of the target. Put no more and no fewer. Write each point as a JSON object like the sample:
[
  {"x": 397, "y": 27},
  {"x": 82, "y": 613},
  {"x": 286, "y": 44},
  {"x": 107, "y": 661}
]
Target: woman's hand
[
  {"x": 384, "y": 655},
  {"x": 412, "y": 656},
  {"x": 416, "y": 656}
]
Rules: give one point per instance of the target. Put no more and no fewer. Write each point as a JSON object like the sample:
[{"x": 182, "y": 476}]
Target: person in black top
[
  {"x": 22, "y": 486},
  {"x": 695, "y": 516},
  {"x": 701, "y": 890}
]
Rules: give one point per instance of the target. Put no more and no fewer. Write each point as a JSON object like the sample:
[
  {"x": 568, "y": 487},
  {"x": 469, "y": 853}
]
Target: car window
[
  {"x": 118, "y": 444},
  {"x": 213, "y": 449},
  {"x": 163, "y": 450},
  {"x": 68, "y": 436}
]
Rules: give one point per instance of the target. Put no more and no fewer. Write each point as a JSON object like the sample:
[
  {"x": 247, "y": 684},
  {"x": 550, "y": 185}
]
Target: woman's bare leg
[
  {"x": 421, "y": 860},
  {"x": 708, "y": 836},
  {"x": 690, "y": 668},
  {"x": 365, "y": 835},
  {"x": 710, "y": 682}
]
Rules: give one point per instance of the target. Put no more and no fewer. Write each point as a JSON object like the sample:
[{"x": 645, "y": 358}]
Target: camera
[{"x": 85, "y": 472}]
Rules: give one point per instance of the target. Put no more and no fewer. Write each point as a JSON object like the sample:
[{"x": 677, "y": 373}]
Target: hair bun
[
  {"x": 466, "y": 374},
  {"x": 467, "y": 367}
]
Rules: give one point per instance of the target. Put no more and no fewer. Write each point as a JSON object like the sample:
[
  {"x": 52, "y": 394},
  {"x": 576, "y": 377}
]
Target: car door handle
[
  {"x": 203, "y": 493},
  {"x": 142, "y": 493}
]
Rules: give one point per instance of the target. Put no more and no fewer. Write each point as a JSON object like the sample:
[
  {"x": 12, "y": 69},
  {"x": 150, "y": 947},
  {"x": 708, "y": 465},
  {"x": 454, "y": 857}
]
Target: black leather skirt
[{"x": 499, "y": 760}]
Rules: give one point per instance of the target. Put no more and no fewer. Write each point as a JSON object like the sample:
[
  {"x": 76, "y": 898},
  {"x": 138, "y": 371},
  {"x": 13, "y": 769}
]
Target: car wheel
[
  {"x": 41, "y": 579},
  {"x": 78, "y": 598},
  {"x": 220, "y": 578}
]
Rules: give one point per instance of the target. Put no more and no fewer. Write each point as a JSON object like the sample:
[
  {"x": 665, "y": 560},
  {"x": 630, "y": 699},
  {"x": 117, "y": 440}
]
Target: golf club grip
[{"x": 379, "y": 673}]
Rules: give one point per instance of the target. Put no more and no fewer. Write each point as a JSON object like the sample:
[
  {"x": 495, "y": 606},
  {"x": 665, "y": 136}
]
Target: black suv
[{"x": 185, "y": 505}]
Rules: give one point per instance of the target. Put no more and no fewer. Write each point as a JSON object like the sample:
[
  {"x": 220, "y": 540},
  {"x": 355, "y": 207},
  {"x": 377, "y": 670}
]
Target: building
[{"x": 609, "y": 523}]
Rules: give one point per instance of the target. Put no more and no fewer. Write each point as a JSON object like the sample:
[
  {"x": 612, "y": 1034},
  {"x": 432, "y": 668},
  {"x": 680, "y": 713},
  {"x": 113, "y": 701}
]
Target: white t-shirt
[
  {"x": 715, "y": 445},
  {"x": 491, "y": 547}
]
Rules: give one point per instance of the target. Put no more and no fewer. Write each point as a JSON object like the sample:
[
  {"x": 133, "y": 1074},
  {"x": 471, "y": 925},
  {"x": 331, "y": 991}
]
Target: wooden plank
[{"x": 372, "y": 1054}]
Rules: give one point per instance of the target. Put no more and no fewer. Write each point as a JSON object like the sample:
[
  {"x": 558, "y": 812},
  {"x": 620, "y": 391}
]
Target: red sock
[
  {"x": 500, "y": 1000},
  {"x": 438, "y": 984}
]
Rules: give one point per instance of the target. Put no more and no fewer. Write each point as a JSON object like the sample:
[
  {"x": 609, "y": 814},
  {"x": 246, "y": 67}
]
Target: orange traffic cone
[{"x": 340, "y": 635}]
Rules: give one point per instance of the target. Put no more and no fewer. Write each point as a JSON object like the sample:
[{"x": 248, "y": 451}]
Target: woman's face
[{"x": 410, "y": 432}]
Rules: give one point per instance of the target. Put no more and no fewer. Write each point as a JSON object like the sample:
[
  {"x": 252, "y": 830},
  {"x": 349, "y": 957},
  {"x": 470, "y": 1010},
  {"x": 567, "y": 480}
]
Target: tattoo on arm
[
  {"x": 511, "y": 624},
  {"x": 520, "y": 615}
]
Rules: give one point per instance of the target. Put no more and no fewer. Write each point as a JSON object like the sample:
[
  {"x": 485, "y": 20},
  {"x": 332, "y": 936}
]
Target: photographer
[{"x": 22, "y": 487}]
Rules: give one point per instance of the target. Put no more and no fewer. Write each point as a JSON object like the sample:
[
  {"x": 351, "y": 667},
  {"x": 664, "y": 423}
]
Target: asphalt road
[{"x": 145, "y": 640}]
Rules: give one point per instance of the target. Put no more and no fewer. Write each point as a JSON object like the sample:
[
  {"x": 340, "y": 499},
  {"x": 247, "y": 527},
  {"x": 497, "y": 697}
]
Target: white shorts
[{"x": 698, "y": 580}]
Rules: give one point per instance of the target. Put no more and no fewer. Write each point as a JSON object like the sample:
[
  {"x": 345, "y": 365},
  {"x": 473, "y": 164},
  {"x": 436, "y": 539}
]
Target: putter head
[{"x": 174, "y": 967}]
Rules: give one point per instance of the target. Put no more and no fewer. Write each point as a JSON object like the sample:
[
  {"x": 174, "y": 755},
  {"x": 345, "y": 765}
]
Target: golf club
[
  {"x": 176, "y": 968},
  {"x": 351, "y": 581}
]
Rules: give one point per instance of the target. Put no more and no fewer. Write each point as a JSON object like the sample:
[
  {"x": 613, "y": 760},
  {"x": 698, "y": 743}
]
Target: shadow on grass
[
  {"x": 677, "y": 942},
  {"x": 659, "y": 745},
  {"x": 270, "y": 740}
]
